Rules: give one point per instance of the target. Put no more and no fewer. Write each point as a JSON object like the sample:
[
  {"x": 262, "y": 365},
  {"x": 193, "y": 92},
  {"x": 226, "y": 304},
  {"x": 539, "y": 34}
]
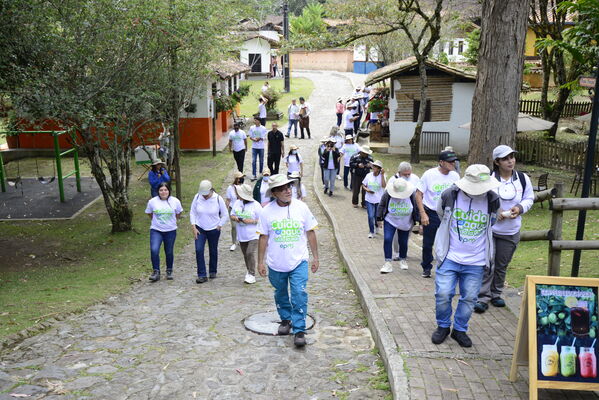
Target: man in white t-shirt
[
  {"x": 348, "y": 118},
  {"x": 286, "y": 230},
  {"x": 238, "y": 145},
  {"x": 431, "y": 185},
  {"x": 293, "y": 113},
  {"x": 258, "y": 136},
  {"x": 463, "y": 249}
]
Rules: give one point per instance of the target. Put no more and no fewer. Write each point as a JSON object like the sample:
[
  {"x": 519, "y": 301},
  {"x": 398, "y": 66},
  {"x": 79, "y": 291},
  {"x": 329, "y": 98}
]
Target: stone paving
[
  {"x": 179, "y": 340},
  {"x": 406, "y": 303}
]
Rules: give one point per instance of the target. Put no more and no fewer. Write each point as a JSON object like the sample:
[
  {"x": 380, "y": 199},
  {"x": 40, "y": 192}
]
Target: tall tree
[
  {"x": 102, "y": 69},
  {"x": 499, "y": 77}
]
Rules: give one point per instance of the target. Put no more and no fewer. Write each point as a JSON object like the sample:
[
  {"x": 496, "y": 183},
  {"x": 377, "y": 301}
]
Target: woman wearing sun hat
[
  {"x": 294, "y": 160},
  {"x": 230, "y": 198},
  {"x": 516, "y": 197},
  {"x": 463, "y": 249},
  {"x": 374, "y": 185},
  {"x": 245, "y": 213},
  {"x": 156, "y": 176},
  {"x": 397, "y": 209},
  {"x": 208, "y": 214},
  {"x": 261, "y": 187},
  {"x": 347, "y": 151},
  {"x": 330, "y": 159}
]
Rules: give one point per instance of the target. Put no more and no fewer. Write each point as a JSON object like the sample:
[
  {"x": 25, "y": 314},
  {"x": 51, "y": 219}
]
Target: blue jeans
[
  {"x": 449, "y": 274},
  {"x": 339, "y": 117},
  {"x": 428, "y": 238},
  {"x": 292, "y": 123},
  {"x": 329, "y": 179},
  {"x": 212, "y": 238},
  {"x": 156, "y": 239},
  {"x": 402, "y": 239},
  {"x": 255, "y": 154},
  {"x": 371, "y": 211},
  {"x": 295, "y": 308}
]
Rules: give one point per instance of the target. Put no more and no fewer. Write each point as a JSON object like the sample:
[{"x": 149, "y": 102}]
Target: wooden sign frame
[{"x": 526, "y": 350}]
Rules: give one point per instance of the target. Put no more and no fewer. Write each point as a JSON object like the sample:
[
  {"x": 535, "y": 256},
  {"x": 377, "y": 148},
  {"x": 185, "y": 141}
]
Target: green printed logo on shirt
[
  {"x": 470, "y": 225},
  {"x": 438, "y": 188},
  {"x": 374, "y": 186},
  {"x": 163, "y": 215},
  {"x": 287, "y": 232},
  {"x": 401, "y": 209},
  {"x": 243, "y": 214}
]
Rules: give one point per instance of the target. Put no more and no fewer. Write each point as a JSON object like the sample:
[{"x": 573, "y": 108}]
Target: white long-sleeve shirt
[
  {"x": 511, "y": 194},
  {"x": 208, "y": 214}
]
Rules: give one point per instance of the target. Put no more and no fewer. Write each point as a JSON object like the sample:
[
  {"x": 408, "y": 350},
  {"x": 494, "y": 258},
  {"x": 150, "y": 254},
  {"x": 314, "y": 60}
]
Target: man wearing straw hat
[
  {"x": 286, "y": 229},
  {"x": 463, "y": 249}
]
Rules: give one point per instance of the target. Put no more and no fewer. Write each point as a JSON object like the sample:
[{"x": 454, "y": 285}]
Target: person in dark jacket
[
  {"x": 398, "y": 210},
  {"x": 360, "y": 165},
  {"x": 156, "y": 176},
  {"x": 321, "y": 148},
  {"x": 330, "y": 165},
  {"x": 261, "y": 187},
  {"x": 276, "y": 149}
]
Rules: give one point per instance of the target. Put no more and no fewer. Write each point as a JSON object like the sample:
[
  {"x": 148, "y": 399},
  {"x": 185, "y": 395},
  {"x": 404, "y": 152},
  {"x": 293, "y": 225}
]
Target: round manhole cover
[{"x": 267, "y": 323}]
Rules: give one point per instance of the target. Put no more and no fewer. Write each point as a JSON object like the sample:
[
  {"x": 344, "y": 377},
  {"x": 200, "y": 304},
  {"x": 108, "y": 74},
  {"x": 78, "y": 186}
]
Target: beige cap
[
  {"x": 205, "y": 187},
  {"x": 378, "y": 163},
  {"x": 237, "y": 175}
]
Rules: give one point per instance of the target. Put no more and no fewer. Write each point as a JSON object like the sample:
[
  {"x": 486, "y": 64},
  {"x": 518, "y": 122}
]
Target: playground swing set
[{"x": 16, "y": 180}]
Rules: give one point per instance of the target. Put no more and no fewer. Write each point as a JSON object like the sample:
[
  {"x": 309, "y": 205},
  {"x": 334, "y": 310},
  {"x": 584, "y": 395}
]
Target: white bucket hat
[
  {"x": 502, "y": 151},
  {"x": 349, "y": 137},
  {"x": 276, "y": 181},
  {"x": 477, "y": 180},
  {"x": 244, "y": 191},
  {"x": 294, "y": 175},
  {"x": 366, "y": 149},
  {"x": 378, "y": 163},
  {"x": 157, "y": 162},
  {"x": 205, "y": 187},
  {"x": 399, "y": 188}
]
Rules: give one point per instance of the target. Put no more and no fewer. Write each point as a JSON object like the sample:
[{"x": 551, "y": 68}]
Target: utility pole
[
  {"x": 589, "y": 170},
  {"x": 286, "y": 55}
]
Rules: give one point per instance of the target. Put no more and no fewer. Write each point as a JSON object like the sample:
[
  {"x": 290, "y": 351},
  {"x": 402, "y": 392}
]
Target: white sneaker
[
  {"x": 233, "y": 247},
  {"x": 403, "y": 264},
  {"x": 249, "y": 278},
  {"x": 376, "y": 231},
  {"x": 370, "y": 236},
  {"x": 339, "y": 177},
  {"x": 387, "y": 267}
]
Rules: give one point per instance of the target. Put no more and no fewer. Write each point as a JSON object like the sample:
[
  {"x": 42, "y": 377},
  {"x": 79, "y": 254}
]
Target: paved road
[{"x": 179, "y": 340}]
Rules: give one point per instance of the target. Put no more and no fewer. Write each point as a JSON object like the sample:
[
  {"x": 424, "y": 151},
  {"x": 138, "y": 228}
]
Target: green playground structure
[{"x": 57, "y": 159}]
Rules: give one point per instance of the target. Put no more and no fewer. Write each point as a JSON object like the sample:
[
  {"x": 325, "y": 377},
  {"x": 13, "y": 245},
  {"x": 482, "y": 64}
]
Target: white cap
[
  {"x": 502, "y": 150},
  {"x": 205, "y": 187}
]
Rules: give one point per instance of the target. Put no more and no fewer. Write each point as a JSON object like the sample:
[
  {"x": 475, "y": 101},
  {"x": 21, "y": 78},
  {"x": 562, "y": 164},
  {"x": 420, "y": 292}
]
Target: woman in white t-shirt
[
  {"x": 245, "y": 213},
  {"x": 294, "y": 161},
  {"x": 374, "y": 186},
  {"x": 397, "y": 211},
  {"x": 230, "y": 198},
  {"x": 164, "y": 210}
]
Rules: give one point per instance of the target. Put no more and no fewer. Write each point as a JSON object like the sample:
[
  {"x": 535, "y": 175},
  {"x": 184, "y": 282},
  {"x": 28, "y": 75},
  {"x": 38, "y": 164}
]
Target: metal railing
[{"x": 432, "y": 143}]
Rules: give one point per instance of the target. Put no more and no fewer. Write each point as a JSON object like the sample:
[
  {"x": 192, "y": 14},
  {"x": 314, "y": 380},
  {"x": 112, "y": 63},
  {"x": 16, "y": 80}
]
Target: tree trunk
[
  {"x": 175, "y": 104},
  {"x": 499, "y": 78},
  {"x": 546, "y": 65},
  {"x": 415, "y": 141}
]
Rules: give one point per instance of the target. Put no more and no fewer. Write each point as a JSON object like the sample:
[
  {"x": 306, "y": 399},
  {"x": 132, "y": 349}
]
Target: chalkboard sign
[{"x": 560, "y": 315}]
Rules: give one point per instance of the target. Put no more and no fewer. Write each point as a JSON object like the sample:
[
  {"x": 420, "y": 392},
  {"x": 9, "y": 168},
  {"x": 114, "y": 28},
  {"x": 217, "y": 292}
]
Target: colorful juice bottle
[
  {"x": 549, "y": 360},
  {"x": 588, "y": 362},
  {"x": 567, "y": 361}
]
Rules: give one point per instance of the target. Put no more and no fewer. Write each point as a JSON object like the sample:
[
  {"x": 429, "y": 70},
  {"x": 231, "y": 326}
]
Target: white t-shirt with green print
[
  {"x": 433, "y": 183},
  {"x": 374, "y": 183},
  {"x": 164, "y": 213},
  {"x": 251, "y": 210}
]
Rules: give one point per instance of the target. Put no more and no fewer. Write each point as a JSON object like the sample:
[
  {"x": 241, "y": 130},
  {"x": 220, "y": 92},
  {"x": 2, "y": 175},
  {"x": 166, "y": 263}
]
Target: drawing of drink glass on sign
[{"x": 561, "y": 316}]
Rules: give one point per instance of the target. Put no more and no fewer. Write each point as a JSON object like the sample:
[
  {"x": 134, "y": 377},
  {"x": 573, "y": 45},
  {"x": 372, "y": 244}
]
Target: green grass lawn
[
  {"x": 69, "y": 265},
  {"x": 299, "y": 87},
  {"x": 531, "y": 257}
]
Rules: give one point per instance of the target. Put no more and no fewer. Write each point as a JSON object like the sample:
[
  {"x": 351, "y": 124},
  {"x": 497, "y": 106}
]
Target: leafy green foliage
[
  {"x": 376, "y": 105},
  {"x": 273, "y": 96},
  {"x": 442, "y": 58},
  {"x": 471, "y": 52},
  {"x": 310, "y": 21}
]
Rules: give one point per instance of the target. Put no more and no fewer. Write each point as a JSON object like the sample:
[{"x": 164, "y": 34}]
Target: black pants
[
  {"x": 262, "y": 121},
  {"x": 356, "y": 187},
  {"x": 239, "y": 157},
  {"x": 339, "y": 115},
  {"x": 272, "y": 162}
]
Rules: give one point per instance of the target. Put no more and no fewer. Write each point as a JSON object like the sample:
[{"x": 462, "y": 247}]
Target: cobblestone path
[{"x": 178, "y": 340}]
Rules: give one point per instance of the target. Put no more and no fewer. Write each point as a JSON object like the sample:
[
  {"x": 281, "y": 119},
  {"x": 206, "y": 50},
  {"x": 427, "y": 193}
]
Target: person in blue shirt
[{"x": 156, "y": 176}]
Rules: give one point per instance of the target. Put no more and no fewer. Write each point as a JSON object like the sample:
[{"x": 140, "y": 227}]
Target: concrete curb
[{"x": 398, "y": 380}]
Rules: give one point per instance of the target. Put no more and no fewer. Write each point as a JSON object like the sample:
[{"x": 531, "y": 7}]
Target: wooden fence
[
  {"x": 569, "y": 156},
  {"x": 571, "y": 109}
]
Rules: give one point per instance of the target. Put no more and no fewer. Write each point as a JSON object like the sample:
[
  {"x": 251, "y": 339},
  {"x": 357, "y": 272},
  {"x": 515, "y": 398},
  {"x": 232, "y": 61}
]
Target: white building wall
[
  {"x": 457, "y": 56},
  {"x": 402, "y": 132},
  {"x": 256, "y": 46},
  {"x": 202, "y": 101},
  {"x": 360, "y": 53}
]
